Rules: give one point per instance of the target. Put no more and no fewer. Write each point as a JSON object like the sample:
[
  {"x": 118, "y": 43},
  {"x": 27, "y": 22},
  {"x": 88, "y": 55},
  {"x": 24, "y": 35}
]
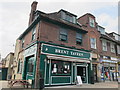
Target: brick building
[
  {"x": 58, "y": 47},
  {"x": 104, "y": 46},
  {"x": 54, "y": 49}
]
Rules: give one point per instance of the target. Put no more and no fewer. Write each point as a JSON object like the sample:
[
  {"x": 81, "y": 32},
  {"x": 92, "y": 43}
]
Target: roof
[
  {"x": 107, "y": 37},
  {"x": 67, "y": 12},
  {"x": 49, "y": 18},
  {"x": 87, "y": 14}
]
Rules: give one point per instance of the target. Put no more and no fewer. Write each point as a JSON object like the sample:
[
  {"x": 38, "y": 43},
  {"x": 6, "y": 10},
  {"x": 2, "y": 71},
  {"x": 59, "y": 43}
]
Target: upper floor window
[
  {"x": 68, "y": 17},
  {"x": 91, "y": 22},
  {"x": 78, "y": 38},
  {"x": 20, "y": 63},
  {"x": 33, "y": 33},
  {"x": 112, "y": 48},
  {"x": 63, "y": 34},
  {"x": 101, "y": 29},
  {"x": 23, "y": 41},
  {"x": 104, "y": 45},
  {"x": 118, "y": 49},
  {"x": 93, "y": 43}
]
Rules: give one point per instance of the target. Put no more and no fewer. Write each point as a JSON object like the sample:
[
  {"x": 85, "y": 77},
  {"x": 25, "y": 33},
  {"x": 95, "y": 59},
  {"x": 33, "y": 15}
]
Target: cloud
[
  {"x": 14, "y": 16},
  {"x": 110, "y": 23}
]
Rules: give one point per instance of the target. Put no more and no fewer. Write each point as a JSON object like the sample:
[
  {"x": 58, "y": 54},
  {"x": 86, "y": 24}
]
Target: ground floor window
[{"x": 60, "y": 67}]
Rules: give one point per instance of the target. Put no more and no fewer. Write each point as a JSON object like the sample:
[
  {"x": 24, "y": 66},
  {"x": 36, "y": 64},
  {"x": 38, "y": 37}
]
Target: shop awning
[{"x": 68, "y": 59}]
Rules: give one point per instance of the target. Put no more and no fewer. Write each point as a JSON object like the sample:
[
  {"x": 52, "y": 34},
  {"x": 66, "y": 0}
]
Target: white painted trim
[{"x": 51, "y": 56}]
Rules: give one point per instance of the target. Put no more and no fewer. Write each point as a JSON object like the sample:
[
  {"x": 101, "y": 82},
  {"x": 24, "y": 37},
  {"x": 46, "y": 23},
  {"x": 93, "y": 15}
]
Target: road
[{"x": 108, "y": 84}]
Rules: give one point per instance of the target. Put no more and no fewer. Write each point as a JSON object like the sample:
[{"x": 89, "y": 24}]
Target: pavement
[{"x": 107, "y": 84}]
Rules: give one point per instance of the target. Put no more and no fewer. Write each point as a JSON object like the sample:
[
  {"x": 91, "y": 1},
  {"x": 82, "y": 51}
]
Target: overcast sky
[{"x": 14, "y": 16}]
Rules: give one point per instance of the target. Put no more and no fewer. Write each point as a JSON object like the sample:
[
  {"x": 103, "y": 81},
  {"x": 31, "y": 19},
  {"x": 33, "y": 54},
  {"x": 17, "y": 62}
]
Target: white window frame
[
  {"x": 93, "y": 44},
  {"x": 34, "y": 33},
  {"x": 91, "y": 22},
  {"x": 118, "y": 49},
  {"x": 112, "y": 47},
  {"x": 104, "y": 45}
]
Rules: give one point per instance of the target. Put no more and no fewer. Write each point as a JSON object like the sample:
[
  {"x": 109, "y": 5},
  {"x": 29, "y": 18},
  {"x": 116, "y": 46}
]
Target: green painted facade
[{"x": 46, "y": 65}]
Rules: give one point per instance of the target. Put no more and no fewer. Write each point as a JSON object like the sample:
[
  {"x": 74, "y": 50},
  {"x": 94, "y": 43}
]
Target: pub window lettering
[
  {"x": 78, "y": 38},
  {"x": 63, "y": 34}
]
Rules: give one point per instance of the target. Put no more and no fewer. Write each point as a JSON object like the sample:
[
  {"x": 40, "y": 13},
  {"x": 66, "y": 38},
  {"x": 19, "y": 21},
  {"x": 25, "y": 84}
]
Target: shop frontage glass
[{"x": 60, "y": 68}]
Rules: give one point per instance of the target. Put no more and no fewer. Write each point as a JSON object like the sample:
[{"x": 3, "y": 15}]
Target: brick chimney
[{"x": 32, "y": 13}]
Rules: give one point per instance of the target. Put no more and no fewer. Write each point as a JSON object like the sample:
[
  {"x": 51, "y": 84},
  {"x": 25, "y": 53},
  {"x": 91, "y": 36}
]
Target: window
[
  {"x": 92, "y": 22},
  {"x": 63, "y": 34},
  {"x": 20, "y": 63},
  {"x": 23, "y": 41},
  {"x": 68, "y": 17},
  {"x": 104, "y": 45},
  {"x": 30, "y": 66},
  {"x": 118, "y": 49},
  {"x": 78, "y": 38},
  {"x": 112, "y": 48},
  {"x": 60, "y": 68},
  {"x": 93, "y": 43},
  {"x": 101, "y": 29},
  {"x": 33, "y": 33}
]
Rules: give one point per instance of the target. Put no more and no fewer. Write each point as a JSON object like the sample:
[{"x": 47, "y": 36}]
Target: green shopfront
[
  {"x": 60, "y": 65},
  {"x": 30, "y": 64}
]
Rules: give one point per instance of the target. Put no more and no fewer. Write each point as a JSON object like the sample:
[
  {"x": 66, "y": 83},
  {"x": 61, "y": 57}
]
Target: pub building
[
  {"x": 59, "y": 65},
  {"x": 54, "y": 49}
]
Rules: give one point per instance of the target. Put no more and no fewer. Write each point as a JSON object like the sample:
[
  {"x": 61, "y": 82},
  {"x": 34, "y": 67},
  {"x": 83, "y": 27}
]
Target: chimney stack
[{"x": 32, "y": 13}]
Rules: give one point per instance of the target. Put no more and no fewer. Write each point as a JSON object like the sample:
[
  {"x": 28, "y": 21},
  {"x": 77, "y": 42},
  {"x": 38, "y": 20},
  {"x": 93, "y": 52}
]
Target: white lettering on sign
[
  {"x": 67, "y": 52},
  {"x": 61, "y": 51},
  {"x": 76, "y": 54}
]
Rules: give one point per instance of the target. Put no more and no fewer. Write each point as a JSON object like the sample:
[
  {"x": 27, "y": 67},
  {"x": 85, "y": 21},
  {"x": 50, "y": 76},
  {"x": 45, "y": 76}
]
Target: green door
[{"x": 30, "y": 68}]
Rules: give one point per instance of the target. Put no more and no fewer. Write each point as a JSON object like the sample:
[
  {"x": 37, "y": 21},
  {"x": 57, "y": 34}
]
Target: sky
[{"x": 14, "y": 16}]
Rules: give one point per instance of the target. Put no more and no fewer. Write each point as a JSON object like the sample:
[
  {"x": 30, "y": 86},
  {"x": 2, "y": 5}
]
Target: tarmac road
[{"x": 101, "y": 86}]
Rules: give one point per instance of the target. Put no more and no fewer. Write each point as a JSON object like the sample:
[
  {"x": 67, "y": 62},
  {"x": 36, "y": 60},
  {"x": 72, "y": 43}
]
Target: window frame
[
  {"x": 68, "y": 17},
  {"x": 104, "y": 45},
  {"x": 78, "y": 38},
  {"x": 20, "y": 64},
  {"x": 118, "y": 49},
  {"x": 91, "y": 22},
  {"x": 64, "y": 34},
  {"x": 62, "y": 66},
  {"x": 112, "y": 47},
  {"x": 93, "y": 44},
  {"x": 33, "y": 33}
]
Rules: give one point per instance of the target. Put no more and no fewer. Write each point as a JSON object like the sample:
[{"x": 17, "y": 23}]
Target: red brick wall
[
  {"x": 50, "y": 32},
  {"x": 92, "y": 32},
  {"x": 28, "y": 38}
]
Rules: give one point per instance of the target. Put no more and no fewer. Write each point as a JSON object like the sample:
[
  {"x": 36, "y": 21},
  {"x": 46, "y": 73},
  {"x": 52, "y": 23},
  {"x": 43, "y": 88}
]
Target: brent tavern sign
[{"x": 62, "y": 51}]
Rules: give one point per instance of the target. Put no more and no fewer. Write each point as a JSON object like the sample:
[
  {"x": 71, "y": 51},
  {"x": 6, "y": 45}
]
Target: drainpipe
[{"x": 37, "y": 73}]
